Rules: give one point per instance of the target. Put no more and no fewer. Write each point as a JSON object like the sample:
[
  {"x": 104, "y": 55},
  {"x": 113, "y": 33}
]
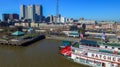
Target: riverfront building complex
[{"x": 31, "y": 12}]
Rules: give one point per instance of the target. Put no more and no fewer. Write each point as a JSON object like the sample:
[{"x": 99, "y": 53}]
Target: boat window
[
  {"x": 118, "y": 48},
  {"x": 94, "y": 45},
  {"x": 85, "y": 53},
  {"x": 77, "y": 58},
  {"x": 105, "y": 46},
  {"x": 112, "y": 65},
  {"x": 98, "y": 45},
  {"x": 112, "y": 47},
  {"x": 73, "y": 50}
]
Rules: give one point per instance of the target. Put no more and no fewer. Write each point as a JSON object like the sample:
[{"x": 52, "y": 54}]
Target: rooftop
[{"x": 114, "y": 44}]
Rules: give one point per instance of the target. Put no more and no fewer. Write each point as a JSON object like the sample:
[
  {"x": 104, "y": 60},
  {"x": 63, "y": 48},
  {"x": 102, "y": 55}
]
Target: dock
[{"x": 22, "y": 42}]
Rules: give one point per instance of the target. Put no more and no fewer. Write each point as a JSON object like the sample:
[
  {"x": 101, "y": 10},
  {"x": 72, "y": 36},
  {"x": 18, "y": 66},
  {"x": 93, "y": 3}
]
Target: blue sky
[{"x": 89, "y": 9}]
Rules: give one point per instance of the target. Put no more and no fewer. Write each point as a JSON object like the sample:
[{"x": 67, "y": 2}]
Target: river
[{"x": 43, "y": 53}]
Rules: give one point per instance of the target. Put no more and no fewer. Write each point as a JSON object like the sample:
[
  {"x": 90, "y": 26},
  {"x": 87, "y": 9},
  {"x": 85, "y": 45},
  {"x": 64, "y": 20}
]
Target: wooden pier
[{"x": 22, "y": 42}]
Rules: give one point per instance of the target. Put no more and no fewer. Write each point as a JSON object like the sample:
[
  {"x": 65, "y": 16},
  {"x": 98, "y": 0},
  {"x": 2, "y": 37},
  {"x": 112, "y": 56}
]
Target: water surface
[{"x": 40, "y": 54}]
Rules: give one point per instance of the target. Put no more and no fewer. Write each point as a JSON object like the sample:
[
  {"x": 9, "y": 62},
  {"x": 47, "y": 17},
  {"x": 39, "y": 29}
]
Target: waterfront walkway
[{"x": 63, "y": 38}]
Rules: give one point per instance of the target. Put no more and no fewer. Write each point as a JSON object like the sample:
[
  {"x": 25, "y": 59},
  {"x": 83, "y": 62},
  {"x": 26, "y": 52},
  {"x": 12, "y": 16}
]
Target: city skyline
[{"x": 88, "y": 9}]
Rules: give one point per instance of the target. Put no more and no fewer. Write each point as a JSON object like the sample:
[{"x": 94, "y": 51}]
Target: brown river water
[{"x": 43, "y": 53}]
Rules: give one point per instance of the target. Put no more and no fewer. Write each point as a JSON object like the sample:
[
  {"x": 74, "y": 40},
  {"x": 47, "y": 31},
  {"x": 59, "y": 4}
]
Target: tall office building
[
  {"x": 26, "y": 12},
  {"x": 54, "y": 19},
  {"x": 62, "y": 19},
  {"x": 6, "y": 17},
  {"x": 13, "y": 16},
  {"x": 38, "y": 13},
  {"x": 22, "y": 11},
  {"x": 31, "y": 12},
  {"x": 51, "y": 19}
]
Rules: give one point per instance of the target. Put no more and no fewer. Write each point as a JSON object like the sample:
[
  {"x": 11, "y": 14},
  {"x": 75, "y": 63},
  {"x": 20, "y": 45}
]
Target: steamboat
[{"x": 92, "y": 53}]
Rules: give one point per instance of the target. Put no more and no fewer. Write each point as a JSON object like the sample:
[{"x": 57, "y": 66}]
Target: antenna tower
[{"x": 57, "y": 11}]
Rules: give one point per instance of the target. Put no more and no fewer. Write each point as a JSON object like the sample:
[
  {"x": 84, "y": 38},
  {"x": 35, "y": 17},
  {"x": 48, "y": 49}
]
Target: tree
[
  {"x": 83, "y": 26},
  {"x": 81, "y": 30},
  {"x": 100, "y": 25}
]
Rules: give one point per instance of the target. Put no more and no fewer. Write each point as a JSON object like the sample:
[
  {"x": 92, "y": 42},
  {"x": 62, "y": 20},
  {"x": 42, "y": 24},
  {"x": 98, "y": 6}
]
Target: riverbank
[
  {"x": 63, "y": 38},
  {"x": 72, "y": 39}
]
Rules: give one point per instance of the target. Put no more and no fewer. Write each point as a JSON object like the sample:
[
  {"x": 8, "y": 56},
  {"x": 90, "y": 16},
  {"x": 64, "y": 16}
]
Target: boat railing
[
  {"x": 89, "y": 47},
  {"x": 80, "y": 54},
  {"x": 109, "y": 54}
]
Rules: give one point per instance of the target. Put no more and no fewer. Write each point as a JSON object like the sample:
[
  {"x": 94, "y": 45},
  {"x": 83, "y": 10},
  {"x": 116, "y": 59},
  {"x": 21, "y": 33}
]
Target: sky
[{"x": 88, "y": 9}]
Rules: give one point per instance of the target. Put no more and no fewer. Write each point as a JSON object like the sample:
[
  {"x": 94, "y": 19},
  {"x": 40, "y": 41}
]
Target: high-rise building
[
  {"x": 51, "y": 18},
  {"x": 38, "y": 13},
  {"x": 63, "y": 20},
  {"x": 22, "y": 11},
  {"x": 13, "y": 16},
  {"x": 54, "y": 19},
  {"x": 26, "y": 12},
  {"x": 31, "y": 12},
  {"x": 6, "y": 17},
  {"x": 58, "y": 18},
  {"x": 47, "y": 19}
]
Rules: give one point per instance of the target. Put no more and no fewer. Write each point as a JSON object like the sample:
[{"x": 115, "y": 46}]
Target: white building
[
  {"x": 106, "y": 22},
  {"x": 86, "y": 21},
  {"x": 63, "y": 20}
]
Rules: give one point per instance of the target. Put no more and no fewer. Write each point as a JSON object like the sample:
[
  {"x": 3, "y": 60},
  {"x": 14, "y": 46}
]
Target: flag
[
  {"x": 81, "y": 35},
  {"x": 115, "y": 52},
  {"x": 103, "y": 36}
]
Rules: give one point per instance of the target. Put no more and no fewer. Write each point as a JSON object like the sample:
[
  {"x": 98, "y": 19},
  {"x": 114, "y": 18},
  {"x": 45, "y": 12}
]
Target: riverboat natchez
[{"x": 92, "y": 53}]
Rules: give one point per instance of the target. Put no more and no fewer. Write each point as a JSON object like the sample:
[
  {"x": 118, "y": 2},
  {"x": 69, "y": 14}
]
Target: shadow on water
[{"x": 43, "y": 53}]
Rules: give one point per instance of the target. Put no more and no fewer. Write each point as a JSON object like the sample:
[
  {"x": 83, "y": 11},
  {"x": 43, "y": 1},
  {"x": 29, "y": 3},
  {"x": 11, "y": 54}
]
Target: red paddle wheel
[{"x": 66, "y": 51}]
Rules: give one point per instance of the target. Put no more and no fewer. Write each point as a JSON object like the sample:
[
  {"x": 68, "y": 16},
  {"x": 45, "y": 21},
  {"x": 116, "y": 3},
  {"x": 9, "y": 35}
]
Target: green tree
[
  {"x": 81, "y": 30},
  {"x": 100, "y": 25}
]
